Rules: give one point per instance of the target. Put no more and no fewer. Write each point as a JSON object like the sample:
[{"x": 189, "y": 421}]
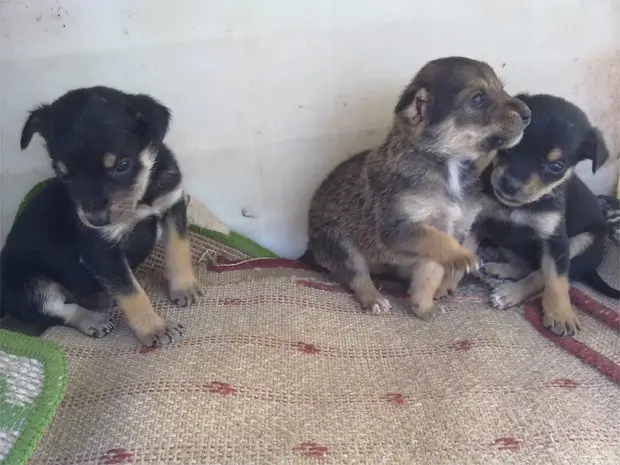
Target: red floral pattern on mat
[
  {"x": 116, "y": 456},
  {"x": 507, "y": 443},
  {"x": 462, "y": 345},
  {"x": 307, "y": 348},
  {"x": 146, "y": 350},
  {"x": 565, "y": 383},
  {"x": 311, "y": 449},
  {"x": 395, "y": 398},
  {"x": 224, "y": 389}
]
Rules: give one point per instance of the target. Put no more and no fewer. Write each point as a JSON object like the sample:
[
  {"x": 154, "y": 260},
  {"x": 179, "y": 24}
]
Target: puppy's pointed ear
[
  {"x": 594, "y": 148},
  {"x": 413, "y": 104},
  {"x": 153, "y": 118},
  {"x": 36, "y": 123}
]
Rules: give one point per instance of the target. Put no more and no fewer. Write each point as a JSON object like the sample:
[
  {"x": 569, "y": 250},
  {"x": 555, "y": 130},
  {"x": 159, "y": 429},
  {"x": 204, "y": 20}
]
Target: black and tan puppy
[
  {"x": 117, "y": 185},
  {"x": 409, "y": 202},
  {"x": 544, "y": 214}
]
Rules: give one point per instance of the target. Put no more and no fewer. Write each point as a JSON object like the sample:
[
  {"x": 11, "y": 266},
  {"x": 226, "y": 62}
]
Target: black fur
[
  {"x": 49, "y": 241},
  {"x": 556, "y": 124}
]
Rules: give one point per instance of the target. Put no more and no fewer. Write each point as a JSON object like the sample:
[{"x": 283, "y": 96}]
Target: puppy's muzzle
[
  {"x": 95, "y": 218},
  {"x": 508, "y": 190}
]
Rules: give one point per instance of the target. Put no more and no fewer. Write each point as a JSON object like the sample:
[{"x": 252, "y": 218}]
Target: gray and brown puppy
[{"x": 409, "y": 203}]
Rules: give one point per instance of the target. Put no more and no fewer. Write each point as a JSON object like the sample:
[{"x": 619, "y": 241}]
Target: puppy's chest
[
  {"x": 157, "y": 208},
  {"x": 461, "y": 195},
  {"x": 544, "y": 223}
]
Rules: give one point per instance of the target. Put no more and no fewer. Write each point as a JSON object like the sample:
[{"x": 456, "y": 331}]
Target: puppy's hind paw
[{"x": 94, "y": 324}]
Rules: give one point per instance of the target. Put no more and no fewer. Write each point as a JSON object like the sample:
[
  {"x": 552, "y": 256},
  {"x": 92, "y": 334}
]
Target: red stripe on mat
[
  {"x": 585, "y": 353},
  {"x": 590, "y": 305}
]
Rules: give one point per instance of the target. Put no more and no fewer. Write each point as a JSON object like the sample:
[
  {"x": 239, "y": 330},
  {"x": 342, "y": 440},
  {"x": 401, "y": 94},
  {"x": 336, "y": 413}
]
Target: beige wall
[{"x": 268, "y": 96}]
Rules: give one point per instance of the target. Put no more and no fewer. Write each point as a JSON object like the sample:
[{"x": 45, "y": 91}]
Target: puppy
[
  {"x": 408, "y": 203},
  {"x": 81, "y": 236},
  {"x": 544, "y": 214}
]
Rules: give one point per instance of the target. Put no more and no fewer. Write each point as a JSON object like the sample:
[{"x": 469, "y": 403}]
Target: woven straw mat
[{"x": 280, "y": 366}]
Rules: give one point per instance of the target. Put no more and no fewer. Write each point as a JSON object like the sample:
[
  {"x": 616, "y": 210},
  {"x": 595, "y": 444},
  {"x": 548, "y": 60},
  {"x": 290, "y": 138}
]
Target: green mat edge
[
  {"x": 233, "y": 239},
  {"x": 54, "y": 386}
]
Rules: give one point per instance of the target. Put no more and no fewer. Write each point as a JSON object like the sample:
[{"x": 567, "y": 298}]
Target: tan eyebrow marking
[
  {"x": 109, "y": 160},
  {"x": 62, "y": 167}
]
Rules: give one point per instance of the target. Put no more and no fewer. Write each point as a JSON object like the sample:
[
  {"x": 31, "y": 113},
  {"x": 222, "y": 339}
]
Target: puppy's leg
[
  {"x": 508, "y": 295},
  {"x": 183, "y": 286},
  {"x": 450, "y": 279},
  {"x": 52, "y": 301},
  {"x": 426, "y": 277},
  {"x": 552, "y": 280},
  {"x": 511, "y": 294},
  {"x": 349, "y": 267},
  {"x": 109, "y": 266},
  {"x": 558, "y": 313},
  {"x": 419, "y": 240}
]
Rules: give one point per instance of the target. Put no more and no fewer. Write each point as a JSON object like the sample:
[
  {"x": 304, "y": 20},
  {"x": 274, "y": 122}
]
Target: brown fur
[
  {"x": 558, "y": 313},
  {"x": 182, "y": 281},
  {"x": 139, "y": 313},
  {"x": 412, "y": 200}
]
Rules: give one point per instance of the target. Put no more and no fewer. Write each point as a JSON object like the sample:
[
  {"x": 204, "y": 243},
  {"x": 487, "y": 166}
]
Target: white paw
[
  {"x": 382, "y": 305},
  {"x": 504, "y": 296},
  {"x": 94, "y": 324}
]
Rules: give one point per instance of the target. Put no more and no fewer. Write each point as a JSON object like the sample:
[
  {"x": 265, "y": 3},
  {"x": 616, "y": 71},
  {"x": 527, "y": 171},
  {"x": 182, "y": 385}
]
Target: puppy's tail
[{"x": 597, "y": 283}]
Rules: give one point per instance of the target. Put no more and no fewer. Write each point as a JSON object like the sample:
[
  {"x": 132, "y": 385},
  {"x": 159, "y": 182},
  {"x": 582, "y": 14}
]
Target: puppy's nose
[
  {"x": 526, "y": 117},
  {"x": 525, "y": 113},
  {"x": 98, "y": 217},
  {"x": 510, "y": 185}
]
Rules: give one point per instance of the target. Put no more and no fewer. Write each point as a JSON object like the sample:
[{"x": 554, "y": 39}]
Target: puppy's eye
[
  {"x": 122, "y": 166},
  {"x": 555, "y": 167},
  {"x": 479, "y": 98}
]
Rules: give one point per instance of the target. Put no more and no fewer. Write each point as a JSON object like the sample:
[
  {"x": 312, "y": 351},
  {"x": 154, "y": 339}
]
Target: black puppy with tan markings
[
  {"x": 544, "y": 214},
  {"x": 408, "y": 204},
  {"x": 117, "y": 186}
]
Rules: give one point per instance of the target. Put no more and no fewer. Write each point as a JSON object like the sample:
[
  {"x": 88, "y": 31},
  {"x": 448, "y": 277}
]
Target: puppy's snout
[
  {"x": 523, "y": 111},
  {"x": 510, "y": 185},
  {"x": 526, "y": 116},
  {"x": 98, "y": 218}
]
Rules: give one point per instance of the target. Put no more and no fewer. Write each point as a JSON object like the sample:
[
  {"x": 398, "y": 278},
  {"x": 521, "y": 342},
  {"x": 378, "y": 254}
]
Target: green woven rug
[{"x": 33, "y": 378}]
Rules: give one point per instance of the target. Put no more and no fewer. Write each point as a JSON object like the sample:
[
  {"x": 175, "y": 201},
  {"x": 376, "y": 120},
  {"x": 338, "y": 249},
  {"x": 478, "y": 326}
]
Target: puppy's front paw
[
  {"x": 168, "y": 333},
  {"x": 184, "y": 294},
  {"x": 94, "y": 324},
  {"x": 504, "y": 296},
  {"x": 422, "y": 306},
  {"x": 562, "y": 321},
  {"x": 381, "y": 305},
  {"x": 463, "y": 260}
]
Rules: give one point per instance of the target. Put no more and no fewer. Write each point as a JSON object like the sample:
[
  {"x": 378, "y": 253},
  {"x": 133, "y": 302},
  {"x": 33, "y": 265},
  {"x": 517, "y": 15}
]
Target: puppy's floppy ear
[
  {"x": 594, "y": 148},
  {"x": 36, "y": 123},
  {"x": 153, "y": 118},
  {"x": 413, "y": 104}
]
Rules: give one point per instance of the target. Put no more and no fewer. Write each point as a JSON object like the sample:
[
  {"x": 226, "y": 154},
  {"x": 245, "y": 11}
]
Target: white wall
[{"x": 268, "y": 96}]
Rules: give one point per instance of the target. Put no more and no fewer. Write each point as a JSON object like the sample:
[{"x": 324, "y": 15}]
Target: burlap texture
[{"x": 280, "y": 366}]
